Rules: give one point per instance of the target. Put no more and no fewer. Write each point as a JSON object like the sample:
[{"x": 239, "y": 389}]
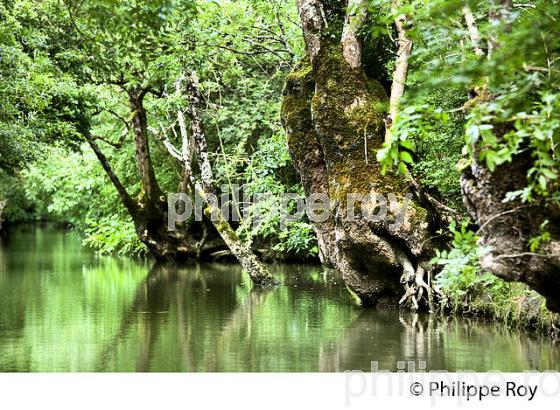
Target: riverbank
[{"x": 511, "y": 303}]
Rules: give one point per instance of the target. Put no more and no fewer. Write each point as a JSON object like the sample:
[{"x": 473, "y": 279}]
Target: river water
[{"x": 62, "y": 308}]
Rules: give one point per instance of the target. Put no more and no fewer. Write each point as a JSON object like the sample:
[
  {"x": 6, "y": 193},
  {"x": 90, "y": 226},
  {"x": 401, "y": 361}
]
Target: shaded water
[{"x": 64, "y": 309}]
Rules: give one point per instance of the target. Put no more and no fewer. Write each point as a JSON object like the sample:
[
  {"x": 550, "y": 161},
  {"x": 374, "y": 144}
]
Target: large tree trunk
[
  {"x": 187, "y": 242},
  {"x": 332, "y": 116},
  {"x": 151, "y": 189},
  {"x": 507, "y": 227}
]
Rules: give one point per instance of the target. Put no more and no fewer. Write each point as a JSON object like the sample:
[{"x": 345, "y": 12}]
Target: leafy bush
[
  {"x": 299, "y": 239},
  {"x": 18, "y": 208},
  {"x": 76, "y": 192}
]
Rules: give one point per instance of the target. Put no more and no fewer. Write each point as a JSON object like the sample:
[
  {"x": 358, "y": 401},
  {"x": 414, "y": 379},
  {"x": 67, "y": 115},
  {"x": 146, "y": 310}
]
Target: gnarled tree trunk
[
  {"x": 149, "y": 211},
  {"x": 332, "y": 115},
  {"x": 507, "y": 227}
]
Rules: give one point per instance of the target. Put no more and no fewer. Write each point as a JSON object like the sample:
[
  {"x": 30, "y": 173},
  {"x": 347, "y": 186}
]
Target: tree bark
[
  {"x": 248, "y": 260},
  {"x": 314, "y": 22},
  {"x": 352, "y": 46},
  {"x": 151, "y": 189},
  {"x": 334, "y": 126}
]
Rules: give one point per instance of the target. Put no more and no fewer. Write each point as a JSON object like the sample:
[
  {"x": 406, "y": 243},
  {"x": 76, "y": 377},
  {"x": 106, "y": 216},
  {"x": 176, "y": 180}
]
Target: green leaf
[
  {"x": 406, "y": 157},
  {"x": 407, "y": 144},
  {"x": 548, "y": 173}
]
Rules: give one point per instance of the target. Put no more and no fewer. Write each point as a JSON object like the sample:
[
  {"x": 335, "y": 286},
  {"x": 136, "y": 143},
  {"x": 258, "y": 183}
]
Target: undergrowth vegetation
[{"x": 468, "y": 290}]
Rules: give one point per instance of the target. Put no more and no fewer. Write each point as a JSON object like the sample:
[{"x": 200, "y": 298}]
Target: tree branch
[
  {"x": 127, "y": 201},
  {"x": 152, "y": 191},
  {"x": 186, "y": 153},
  {"x": 167, "y": 143},
  {"x": 473, "y": 31},
  {"x": 401, "y": 68},
  {"x": 313, "y": 22},
  {"x": 352, "y": 46}
]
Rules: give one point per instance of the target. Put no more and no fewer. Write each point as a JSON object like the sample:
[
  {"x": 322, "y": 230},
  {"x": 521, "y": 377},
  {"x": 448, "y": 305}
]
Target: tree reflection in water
[{"x": 64, "y": 309}]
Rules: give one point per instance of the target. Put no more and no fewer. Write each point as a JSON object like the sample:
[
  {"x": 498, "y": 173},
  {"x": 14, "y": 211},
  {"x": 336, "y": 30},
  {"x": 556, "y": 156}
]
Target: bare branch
[
  {"x": 124, "y": 132},
  {"x": 166, "y": 142},
  {"x": 524, "y": 254}
]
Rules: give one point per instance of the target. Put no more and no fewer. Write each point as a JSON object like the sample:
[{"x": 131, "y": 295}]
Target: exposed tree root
[{"x": 414, "y": 284}]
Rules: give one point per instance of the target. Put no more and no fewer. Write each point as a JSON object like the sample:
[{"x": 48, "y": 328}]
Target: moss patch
[
  {"x": 513, "y": 303},
  {"x": 295, "y": 110}
]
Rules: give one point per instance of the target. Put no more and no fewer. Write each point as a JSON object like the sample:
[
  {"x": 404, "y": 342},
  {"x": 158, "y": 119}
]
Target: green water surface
[{"x": 62, "y": 308}]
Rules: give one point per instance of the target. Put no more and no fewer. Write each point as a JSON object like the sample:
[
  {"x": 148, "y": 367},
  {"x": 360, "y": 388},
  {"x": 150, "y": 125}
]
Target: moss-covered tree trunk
[{"x": 334, "y": 118}]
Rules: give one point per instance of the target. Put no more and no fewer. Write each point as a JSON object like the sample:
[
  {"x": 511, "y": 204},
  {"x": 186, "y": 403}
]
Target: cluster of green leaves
[
  {"x": 460, "y": 267},
  {"x": 521, "y": 76},
  {"x": 17, "y": 208},
  {"x": 427, "y": 138},
  {"x": 39, "y": 103},
  {"x": 71, "y": 189},
  {"x": 396, "y": 151},
  {"x": 515, "y": 108},
  {"x": 536, "y": 131},
  {"x": 298, "y": 239}
]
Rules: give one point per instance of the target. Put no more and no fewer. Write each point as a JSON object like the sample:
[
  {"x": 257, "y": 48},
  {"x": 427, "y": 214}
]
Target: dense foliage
[{"x": 242, "y": 52}]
